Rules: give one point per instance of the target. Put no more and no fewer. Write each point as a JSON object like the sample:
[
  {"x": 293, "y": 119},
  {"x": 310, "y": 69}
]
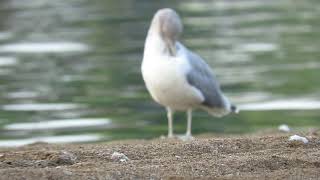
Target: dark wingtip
[{"x": 234, "y": 109}]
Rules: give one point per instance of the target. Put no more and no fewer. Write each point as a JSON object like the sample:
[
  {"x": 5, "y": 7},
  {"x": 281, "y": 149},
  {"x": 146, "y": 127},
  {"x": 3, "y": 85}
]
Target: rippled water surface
[{"x": 70, "y": 70}]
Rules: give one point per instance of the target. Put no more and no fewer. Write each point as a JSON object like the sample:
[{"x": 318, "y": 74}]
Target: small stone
[
  {"x": 120, "y": 157},
  {"x": 62, "y": 158},
  {"x": 67, "y": 157},
  {"x": 299, "y": 139},
  {"x": 66, "y": 172}
]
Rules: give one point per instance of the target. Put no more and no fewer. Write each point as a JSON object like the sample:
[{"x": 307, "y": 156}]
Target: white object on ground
[
  {"x": 120, "y": 157},
  {"x": 298, "y": 138},
  {"x": 284, "y": 128}
]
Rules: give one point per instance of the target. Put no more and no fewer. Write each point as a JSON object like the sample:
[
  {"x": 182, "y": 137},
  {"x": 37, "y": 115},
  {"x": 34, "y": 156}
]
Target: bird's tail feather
[
  {"x": 216, "y": 112},
  {"x": 219, "y": 112},
  {"x": 234, "y": 109}
]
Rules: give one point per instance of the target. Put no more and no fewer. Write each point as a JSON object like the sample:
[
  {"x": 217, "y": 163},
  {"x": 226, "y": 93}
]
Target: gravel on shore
[{"x": 260, "y": 156}]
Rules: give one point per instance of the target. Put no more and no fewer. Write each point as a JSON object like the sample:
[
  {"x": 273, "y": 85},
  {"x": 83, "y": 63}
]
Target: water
[{"x": 70, "y": 70}]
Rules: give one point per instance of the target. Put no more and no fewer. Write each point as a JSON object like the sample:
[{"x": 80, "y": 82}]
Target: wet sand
[{"x": 259, "y": 156}]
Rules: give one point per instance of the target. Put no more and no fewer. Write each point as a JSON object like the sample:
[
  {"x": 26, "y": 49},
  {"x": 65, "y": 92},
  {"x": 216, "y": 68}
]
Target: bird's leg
[
  {"x": 188, "y": 135},
  {"x": 189, "y": 117},
  {"x": 170, "y": 119}
]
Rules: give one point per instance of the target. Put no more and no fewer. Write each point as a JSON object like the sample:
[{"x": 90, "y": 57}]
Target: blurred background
[{"x": 70, "y": 70}]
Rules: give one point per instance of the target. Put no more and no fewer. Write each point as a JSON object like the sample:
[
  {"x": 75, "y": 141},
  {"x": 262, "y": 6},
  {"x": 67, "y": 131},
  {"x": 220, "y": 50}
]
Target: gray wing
[{"x": 202, "y": 78}]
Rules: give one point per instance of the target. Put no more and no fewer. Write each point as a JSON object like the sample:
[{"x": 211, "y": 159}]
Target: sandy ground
[{"x": 263, "y": 156}]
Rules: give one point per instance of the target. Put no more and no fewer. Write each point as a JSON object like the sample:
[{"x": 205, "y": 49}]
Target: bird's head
[{"x": 166, "y": 22}]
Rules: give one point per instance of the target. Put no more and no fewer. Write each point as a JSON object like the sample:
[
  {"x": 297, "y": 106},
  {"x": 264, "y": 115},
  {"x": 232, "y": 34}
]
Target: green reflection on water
[{"x": 107, "y": 78}]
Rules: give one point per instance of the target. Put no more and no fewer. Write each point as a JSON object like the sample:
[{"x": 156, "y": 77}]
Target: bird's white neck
[{"x": 155, "y": 45}]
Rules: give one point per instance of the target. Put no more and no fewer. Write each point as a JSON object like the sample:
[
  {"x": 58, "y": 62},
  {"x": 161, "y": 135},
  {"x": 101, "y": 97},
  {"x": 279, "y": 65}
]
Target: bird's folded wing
[{"x": 201, "y": 77}]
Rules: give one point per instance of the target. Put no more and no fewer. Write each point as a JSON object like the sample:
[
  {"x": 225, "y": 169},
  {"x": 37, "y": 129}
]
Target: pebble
[
  {"x": 120, "y": 157},
  {"x": 66, "y": 172},
  {"x": 298, "y": 138},
  {"x": 63, "y": 158},
  {"x": 68, "y": 157}
]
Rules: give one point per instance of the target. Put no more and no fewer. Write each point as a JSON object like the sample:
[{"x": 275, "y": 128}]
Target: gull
[{"x": 176, "y": 77}]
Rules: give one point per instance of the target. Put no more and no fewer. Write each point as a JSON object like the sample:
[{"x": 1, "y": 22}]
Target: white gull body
[{"x": 176, "y": 77}]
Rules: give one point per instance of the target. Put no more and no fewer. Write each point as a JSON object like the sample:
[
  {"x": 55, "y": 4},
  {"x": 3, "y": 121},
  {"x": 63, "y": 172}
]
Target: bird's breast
[{"x": 165, "y": 80}]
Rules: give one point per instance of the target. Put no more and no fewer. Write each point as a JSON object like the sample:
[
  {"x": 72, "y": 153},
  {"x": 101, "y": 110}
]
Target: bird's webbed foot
[{"x": 187, "y": 137}]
